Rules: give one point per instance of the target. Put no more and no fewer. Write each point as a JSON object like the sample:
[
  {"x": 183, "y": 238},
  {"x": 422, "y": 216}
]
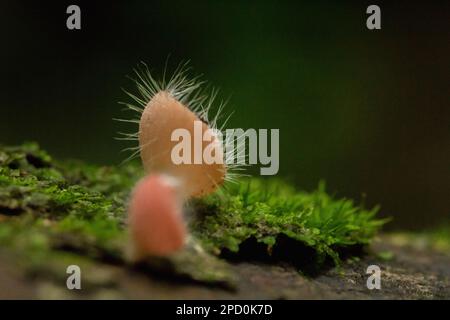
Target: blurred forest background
[{"x": 367, "y": 111}]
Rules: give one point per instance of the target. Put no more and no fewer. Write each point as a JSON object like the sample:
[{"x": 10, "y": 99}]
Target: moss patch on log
[{"x": 49, "y": 209}]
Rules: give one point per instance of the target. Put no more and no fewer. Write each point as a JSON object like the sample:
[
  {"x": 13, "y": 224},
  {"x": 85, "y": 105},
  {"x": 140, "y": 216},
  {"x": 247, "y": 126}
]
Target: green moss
[
  {"x": 51, "y": 209},
  {"x": 266, "y": 209}
]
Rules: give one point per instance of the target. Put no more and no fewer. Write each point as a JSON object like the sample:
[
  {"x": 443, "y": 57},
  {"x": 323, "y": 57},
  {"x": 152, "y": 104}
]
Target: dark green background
[{"x": 368, "y": 111}]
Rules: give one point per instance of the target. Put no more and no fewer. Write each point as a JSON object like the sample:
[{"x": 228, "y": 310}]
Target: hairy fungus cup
[
  {"x": 155, "y": 210},
  {"x": 161, "y": 117}
]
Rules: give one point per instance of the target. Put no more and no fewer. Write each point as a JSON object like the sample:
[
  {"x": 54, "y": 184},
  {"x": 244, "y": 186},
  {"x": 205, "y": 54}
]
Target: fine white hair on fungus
[{"x": 174, "y": 103}]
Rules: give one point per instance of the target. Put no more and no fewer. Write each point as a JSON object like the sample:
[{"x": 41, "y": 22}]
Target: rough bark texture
[{"x": 411, "y": 273}]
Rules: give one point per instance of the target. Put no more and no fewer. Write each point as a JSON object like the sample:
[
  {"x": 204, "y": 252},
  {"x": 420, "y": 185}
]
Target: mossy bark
[{"x": 259, "y": 239}]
